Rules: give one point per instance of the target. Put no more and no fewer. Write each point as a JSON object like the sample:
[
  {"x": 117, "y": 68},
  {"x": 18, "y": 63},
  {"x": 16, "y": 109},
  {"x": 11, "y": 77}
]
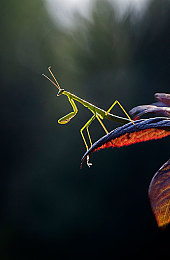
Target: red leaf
[{"x": 143, "y": 130}]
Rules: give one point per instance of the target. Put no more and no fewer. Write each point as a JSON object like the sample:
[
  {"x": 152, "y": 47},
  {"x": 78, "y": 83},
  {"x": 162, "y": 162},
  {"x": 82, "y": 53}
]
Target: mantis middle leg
[
  {"x": 100, "y": 121},
  {"x": 87, "y": 126},
  {"x": 81, "y": 131}
]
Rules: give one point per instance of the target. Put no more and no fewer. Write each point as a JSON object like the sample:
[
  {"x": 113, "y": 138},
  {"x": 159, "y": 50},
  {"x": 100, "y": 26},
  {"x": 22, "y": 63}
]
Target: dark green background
[{"x": 49, "y": 207}]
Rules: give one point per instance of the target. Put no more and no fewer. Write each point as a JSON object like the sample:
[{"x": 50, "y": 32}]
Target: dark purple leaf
[
  {"x": 143, "y": 130},
  {"x": 161, "y": 108},
  {"x": 164, "y": 98},
  {"x": 159, "y": 195}
]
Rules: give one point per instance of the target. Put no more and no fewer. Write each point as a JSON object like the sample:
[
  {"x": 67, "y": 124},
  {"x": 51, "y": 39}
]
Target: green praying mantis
[{"x": 97, "y": 112}]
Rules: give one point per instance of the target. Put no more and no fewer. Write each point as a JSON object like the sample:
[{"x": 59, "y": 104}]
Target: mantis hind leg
[
  {"x": 117, "y": 102},
  {"x": 81, "y": 131}
]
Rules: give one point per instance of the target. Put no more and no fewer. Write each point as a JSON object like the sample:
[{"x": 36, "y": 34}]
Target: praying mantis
[{"x": 97, "y": 112}]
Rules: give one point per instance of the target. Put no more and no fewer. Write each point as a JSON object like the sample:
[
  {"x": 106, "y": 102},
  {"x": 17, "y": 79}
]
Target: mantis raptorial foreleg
[
  {"x": 117, "y": 102},
  {"x": 67, "y": 118}
]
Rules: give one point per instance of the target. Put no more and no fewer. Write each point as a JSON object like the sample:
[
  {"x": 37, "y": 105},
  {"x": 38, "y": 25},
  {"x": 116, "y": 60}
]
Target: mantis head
[
  {"x": 60, "y": 92},
  {"x": 56, "y": 84}
]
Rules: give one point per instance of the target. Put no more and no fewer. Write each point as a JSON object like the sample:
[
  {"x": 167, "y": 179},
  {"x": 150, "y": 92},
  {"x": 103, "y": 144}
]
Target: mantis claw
[{"x": 88, "y": 163}]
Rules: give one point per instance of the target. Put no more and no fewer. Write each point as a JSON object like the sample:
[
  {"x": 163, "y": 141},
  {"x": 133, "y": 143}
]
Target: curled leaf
[
  {"x": 148, "y": 109},
  {"x": 164, "y": 98},
  {"x": 159, "y": 195},
  {"x": 160, "y": 108},
  {"x": 143, "y": 130}
]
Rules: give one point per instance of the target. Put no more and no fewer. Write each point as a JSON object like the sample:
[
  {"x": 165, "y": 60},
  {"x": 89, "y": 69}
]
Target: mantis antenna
[{"x": 55, "y": 84}]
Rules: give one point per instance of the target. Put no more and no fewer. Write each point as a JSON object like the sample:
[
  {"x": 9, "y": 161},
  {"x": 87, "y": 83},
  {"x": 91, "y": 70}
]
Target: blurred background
[{"x": 101, "y": 51}]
